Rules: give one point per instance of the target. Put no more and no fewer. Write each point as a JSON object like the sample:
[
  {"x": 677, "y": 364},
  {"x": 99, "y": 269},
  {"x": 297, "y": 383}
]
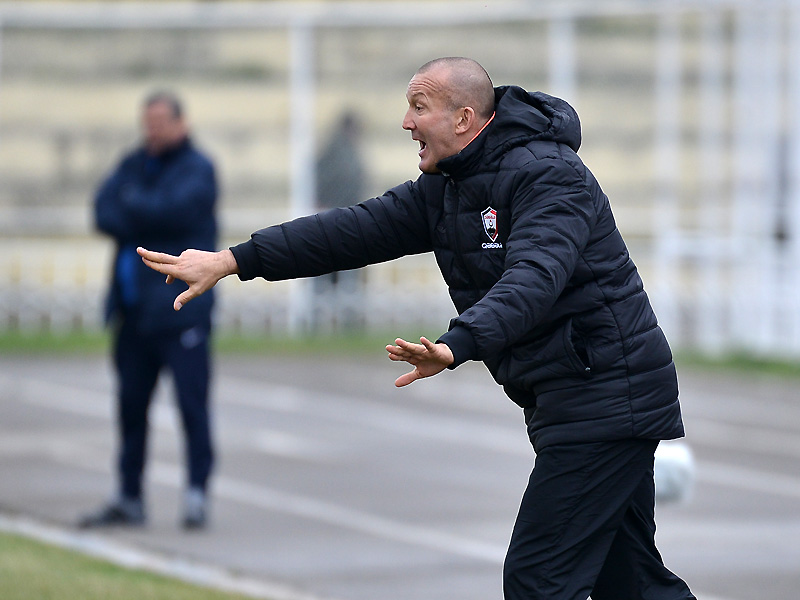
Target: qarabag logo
[
  {"x": 489, "y": 217},
  {"x": 490, "y": 223}
]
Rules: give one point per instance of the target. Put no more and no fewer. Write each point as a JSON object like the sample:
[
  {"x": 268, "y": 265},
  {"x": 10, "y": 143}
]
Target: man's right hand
[{"x": 199, "y": 269}]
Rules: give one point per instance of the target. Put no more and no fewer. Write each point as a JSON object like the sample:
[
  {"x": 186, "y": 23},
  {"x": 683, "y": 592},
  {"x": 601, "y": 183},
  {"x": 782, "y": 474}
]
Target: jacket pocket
[
  {"x": 564, "y": 354},
  {"x": 579, "y": 344}
]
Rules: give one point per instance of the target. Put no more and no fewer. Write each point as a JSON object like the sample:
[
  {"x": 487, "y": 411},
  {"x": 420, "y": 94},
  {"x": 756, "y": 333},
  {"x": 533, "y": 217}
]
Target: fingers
[
  {"x": 409, "y": 348},
  {"x": 427, "y": 357},
  {"x": 156, "y": 257},
  {"x": 201, "y": 270},
  {"x": 394, "y": 352},
  {"x": 409, "y": 377},
  {"x": 159, "y": 261},
  {"x": 165, "y": 268},
  {"x": 184, "y": 298},
  {"x": 395, "y": 356},
  {"x": 406, "y": 351},
  {"x": 429, "y": 345}
]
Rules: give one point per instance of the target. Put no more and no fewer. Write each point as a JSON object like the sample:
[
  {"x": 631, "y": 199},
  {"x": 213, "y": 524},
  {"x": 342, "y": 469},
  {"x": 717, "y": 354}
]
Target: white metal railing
[
  {"x": 718, "y": 276},
  {"x": 60, "y": 285}
]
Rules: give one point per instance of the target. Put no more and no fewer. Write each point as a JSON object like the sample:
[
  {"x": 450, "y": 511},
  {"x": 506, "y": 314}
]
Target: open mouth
[{"x": 422, "y": 146}]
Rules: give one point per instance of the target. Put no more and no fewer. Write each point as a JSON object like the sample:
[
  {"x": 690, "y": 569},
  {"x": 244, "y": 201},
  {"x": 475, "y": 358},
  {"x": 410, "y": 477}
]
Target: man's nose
[{"x": 408, "y": 123}]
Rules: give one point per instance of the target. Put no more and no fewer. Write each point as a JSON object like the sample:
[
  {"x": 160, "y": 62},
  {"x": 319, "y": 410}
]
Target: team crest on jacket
[{"x": 489, "y": 217}]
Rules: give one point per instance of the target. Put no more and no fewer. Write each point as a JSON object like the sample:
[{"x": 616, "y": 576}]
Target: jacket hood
[{"x": 520, "y": 117}]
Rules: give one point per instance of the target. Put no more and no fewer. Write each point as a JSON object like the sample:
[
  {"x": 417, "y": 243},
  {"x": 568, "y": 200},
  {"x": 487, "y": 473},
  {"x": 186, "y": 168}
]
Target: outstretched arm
[
  {"x": 428, "y": 358},
  {"x": 199, "y": 269}
]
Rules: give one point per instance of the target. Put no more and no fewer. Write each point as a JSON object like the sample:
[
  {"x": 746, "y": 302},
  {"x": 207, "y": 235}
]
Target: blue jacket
[
  {"x": 546, "y": 293},
  {"x": 167, "y": 204}
]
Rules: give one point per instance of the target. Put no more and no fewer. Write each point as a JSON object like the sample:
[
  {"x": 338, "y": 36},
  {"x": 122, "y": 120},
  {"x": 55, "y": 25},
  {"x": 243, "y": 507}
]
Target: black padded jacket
[{"x": 546, "y": 293}]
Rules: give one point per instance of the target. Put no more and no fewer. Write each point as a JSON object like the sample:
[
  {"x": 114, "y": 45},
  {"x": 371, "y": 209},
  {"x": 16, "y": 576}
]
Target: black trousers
[
  {"x": 586, "y": 526},
  {"x": 139, "y": 360}
]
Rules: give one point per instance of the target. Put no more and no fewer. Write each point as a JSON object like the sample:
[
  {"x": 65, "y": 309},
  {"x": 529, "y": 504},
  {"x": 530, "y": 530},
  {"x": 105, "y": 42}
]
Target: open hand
[
  {"x": 200, "y": 270},
  {"x": 428, "y": 358}
]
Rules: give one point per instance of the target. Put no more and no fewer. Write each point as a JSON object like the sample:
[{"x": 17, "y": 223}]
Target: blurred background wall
[{"x": 690, "y": 114}]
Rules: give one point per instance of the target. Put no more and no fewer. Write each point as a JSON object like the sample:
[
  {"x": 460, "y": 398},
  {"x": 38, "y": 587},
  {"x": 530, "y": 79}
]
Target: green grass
[
  {"x": 35, "y": 342},
  {"x": 741, "y": 362},
  {"x": 31, "y": 570},
  {"x": 344, "y": 344},
  {"x": 329, "y": 345}
]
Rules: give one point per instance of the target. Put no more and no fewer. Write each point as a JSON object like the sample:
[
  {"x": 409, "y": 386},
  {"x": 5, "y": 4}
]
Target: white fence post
[
  {"x": 301, "y": 97},
  {"x": 791, "y": 292},
  {"x": 561, "y": 58},
  {"x": 714, "y": 260},
  {"x": 755, "y": 177},
  {"x": 666, "y": 226}
]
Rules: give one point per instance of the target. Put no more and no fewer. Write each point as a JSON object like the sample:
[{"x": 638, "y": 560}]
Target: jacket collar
[
  {"x": 520, "y": 117},
  {"x": 469, "y": 159}
]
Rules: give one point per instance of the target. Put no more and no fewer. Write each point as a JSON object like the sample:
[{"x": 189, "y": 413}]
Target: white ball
[{"x": 674, "y": 471}]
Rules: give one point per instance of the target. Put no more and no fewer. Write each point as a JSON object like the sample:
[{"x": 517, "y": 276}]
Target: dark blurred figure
[
  {"x": 340, "y": 178},
  {"x": 163, "y": 194}
]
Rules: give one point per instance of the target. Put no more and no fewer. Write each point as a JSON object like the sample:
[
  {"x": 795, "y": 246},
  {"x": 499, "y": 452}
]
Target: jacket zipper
[{"x": 456, "y": 242}]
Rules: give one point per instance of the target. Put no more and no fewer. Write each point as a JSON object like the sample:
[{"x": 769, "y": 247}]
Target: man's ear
[{"x": 466, "y": 119}]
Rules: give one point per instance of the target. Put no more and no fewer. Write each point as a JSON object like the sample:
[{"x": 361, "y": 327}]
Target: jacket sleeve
[
  {"x": 374, "y": 231},
  {"x": 552, "y": 216}
]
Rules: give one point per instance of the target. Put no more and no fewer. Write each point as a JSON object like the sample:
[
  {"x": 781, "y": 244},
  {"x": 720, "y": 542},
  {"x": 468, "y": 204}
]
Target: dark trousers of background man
[
  {"x": 139, "y": 359},
  {"x": 586, "y": 525}
]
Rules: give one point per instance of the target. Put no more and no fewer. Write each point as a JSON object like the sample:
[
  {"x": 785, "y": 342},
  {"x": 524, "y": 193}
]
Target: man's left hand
[{"x": 428, "y": 358}]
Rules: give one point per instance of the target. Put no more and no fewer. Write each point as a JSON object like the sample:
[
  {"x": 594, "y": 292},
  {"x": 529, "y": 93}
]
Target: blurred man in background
[
  {"x": 338, "y": 296},
  {"x": 162, "y": 194}
]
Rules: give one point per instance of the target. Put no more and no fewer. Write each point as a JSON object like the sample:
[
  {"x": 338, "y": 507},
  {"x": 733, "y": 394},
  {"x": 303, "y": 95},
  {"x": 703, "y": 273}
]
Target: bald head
[
  {"x": 450, "y": 101},
  {"x": 465, "y": 83}
]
